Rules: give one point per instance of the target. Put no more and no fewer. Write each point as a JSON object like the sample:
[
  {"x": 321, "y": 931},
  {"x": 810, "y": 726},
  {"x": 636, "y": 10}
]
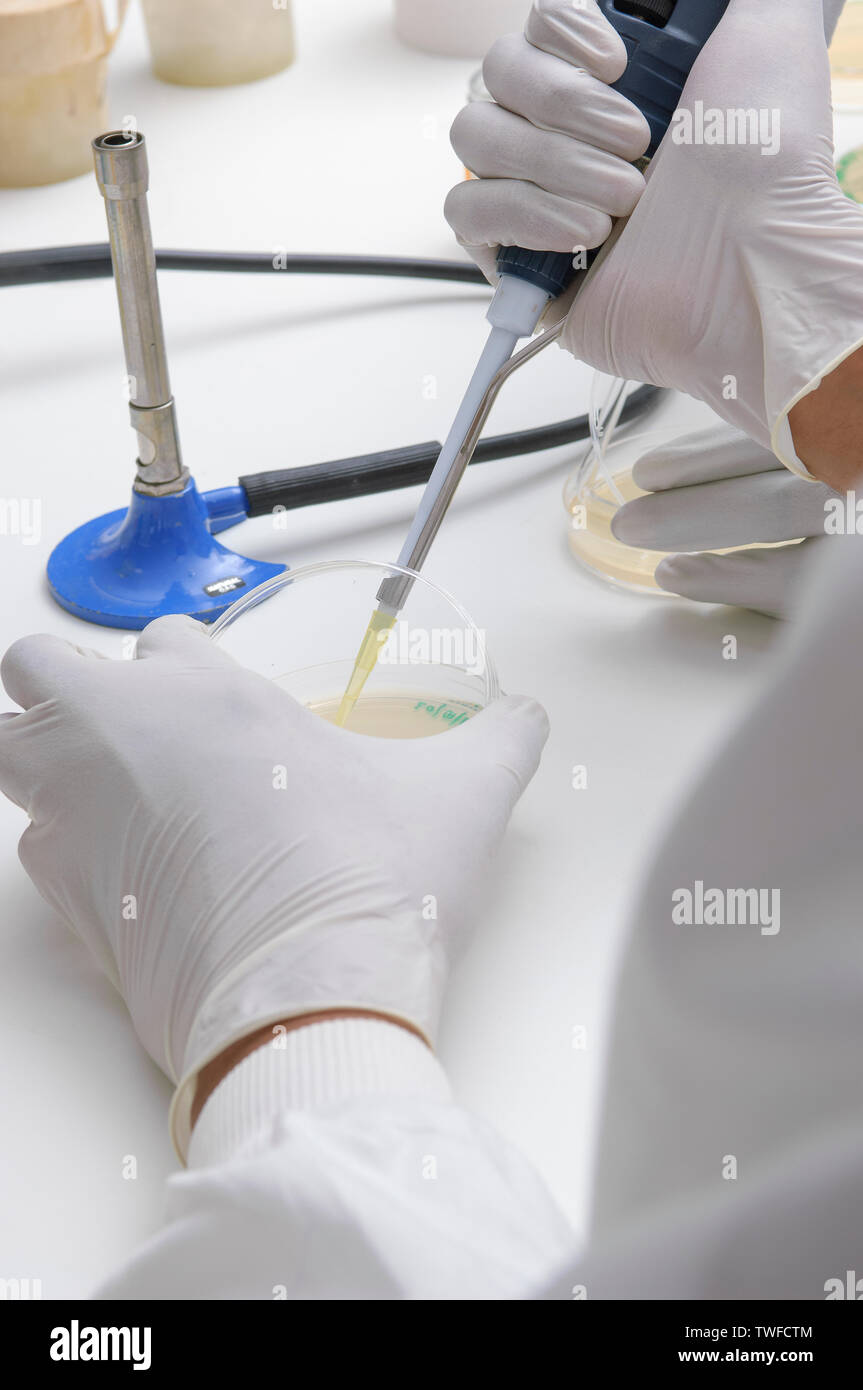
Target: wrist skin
[
  {"x": 216, "y": 1070},
  {"x": 827, "y": 426}
]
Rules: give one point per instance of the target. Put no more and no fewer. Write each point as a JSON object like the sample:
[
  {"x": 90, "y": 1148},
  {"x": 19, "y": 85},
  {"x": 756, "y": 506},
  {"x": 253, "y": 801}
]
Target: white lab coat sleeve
[
  {"x": 334, "y": 1164},
  {"x": 731, "y": 1153}
]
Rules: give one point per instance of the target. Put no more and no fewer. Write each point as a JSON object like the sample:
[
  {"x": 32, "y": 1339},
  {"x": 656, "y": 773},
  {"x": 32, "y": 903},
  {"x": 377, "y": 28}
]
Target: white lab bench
[{"x": 346, "y": 152}]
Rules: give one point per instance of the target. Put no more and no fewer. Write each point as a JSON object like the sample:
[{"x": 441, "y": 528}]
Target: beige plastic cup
[
  {"x": 219, "y": 43},
  {"x": 458, "y": 28},
  {"x": 53, "y": 73}
]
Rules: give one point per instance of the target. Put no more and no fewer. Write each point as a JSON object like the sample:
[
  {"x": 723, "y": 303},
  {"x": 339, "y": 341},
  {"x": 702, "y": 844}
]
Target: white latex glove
[
  {"x": 714, "y": 490},
  {"x": 553, "y": 153},
  {"x": 739, "y": 277},
  {"x": 214, "y": 900}
]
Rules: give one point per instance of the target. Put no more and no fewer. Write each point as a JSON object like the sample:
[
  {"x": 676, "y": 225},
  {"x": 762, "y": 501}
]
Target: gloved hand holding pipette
[
  {"x": 554, "y": 156},
  {"x": 739, "y": 277}
]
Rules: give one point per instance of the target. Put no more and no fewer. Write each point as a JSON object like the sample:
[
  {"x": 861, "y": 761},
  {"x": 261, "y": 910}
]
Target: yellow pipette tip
[{"x": 381, "y": 624}]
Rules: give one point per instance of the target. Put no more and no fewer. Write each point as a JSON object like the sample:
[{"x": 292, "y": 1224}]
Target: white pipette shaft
[
  {"x": 514, "y": 313},
  {"x": 498, "y": 349}
]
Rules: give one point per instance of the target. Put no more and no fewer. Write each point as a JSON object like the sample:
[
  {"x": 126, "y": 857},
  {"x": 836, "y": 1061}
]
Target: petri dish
[
  {"x": 601, "y": 484},
  {"x": 594, "y": 493},
  {"x": 303, "y": 630}
]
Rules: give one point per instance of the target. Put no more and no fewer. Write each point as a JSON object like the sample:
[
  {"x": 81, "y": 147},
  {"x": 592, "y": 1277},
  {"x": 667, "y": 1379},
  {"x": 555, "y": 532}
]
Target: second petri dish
[{"x": 592, "y": 497}]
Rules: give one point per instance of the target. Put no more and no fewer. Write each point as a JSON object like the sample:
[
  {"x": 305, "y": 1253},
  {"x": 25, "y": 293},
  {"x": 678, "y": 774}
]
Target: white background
[{"x": 345, "y": 152}]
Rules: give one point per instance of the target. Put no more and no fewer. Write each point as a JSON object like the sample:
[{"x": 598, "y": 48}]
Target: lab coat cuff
[
  {"x": 311, "y": 1068},
  {"x": 783, "y": 447}
]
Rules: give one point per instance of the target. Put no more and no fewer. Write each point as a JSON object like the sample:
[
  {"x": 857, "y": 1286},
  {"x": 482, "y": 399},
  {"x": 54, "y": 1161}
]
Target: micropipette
[{"x": 663, "y": 39}]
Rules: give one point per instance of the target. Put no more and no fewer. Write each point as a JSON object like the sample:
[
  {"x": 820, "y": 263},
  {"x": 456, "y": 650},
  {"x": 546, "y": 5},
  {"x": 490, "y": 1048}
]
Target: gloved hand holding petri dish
[{"x": 229, "y": 859}]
